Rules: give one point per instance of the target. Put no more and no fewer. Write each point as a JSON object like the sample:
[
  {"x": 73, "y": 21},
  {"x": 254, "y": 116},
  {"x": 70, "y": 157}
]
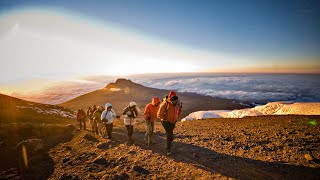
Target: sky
[{"x": 51, "y": 40}]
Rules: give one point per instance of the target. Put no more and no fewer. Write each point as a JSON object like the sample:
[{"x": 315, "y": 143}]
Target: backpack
[
  {"x": 105, "y": 117},
  {"x": 81, "y": 114},
  {"x": 133, "y": 112}
]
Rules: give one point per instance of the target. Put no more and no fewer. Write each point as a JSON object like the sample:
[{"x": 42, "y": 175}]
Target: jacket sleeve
[
  {"x": 146, "y": 111},
  {"x": 125, "y": 110},
  {"x": 138, "y": 110},
  {"x": 103, "y": 114},
  {"x": 161, "y": 110},
  {"x": 114, "y": 113}
]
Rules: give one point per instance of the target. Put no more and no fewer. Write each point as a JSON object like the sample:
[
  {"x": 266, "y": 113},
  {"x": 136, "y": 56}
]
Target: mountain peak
[
  {"x": 124, "y": 81},
  {"x": 121, "y": 82}
]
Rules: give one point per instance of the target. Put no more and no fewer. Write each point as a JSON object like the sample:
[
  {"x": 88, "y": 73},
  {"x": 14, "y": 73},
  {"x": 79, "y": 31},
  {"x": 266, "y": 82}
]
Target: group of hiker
[{"x": 167, "y": 111}]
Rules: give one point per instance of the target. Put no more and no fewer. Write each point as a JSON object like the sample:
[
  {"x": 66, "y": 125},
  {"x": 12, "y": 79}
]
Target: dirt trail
[
  {"x": 257, "y": 148},
  {"x": 88, "y": 156}
]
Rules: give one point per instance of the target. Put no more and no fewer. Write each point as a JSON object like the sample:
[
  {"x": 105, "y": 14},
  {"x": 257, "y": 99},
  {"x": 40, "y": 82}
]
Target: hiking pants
[
  {"x": 95, "y": 126},
  {"x": 99, "y": 126},
  {"x": 130, "y": 130},
  {"x": 109, "y": 128},
  {"x": 150, "y": 129},
  {"x": 82, "y": 122},
  {"x": 168, "y": 126}
]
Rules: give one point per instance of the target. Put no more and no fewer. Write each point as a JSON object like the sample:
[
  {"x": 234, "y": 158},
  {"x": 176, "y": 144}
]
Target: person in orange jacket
[
  {"x": 150, "y": 115},
  {"x": 168, "y": 113}
]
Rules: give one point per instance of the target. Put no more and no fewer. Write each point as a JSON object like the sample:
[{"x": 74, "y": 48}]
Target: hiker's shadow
[{"x": 229, "y": 165}]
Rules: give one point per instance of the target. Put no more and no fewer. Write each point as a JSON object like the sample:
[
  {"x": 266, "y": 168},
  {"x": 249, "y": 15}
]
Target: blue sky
[
  {"x": 259, "y": 28},
  {"x": 60, "y": 38}
]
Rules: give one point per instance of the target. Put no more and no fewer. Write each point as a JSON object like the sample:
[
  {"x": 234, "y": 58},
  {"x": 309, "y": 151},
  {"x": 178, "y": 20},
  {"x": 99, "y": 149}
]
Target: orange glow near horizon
[{"x": 310, "y": 67}]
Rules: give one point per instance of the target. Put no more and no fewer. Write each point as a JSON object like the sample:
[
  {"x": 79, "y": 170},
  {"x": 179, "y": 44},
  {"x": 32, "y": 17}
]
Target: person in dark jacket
[{"x": 81, "y": 118}]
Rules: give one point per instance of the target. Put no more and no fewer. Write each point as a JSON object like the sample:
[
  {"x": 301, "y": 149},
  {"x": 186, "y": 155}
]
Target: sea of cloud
[{"x": 256, "y": 88}]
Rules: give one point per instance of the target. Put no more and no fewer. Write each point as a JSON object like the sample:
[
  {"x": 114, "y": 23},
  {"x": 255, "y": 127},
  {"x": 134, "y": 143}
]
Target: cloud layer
[{"x": 259, "y": 89}]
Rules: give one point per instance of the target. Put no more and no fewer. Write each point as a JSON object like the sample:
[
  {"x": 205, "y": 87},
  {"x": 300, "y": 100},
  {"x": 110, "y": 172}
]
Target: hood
[
  {"x": 171, "y": 94},
  {"x": 155, "y": 100},
  {"x": 108, "y": 105},
  {"x": 132, "y": 104}
]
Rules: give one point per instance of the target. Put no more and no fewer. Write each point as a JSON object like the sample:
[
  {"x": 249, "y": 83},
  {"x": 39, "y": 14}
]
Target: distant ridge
[
  {"x": 17, "y": 110},
  {"x": 123, "y": 91},
  {"x": 9, "y": 102}
]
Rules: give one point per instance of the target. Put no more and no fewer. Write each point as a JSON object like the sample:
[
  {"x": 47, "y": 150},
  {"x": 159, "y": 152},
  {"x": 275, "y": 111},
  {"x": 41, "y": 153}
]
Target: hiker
[
  {"x": 130, "y": 113},
  {"x": 81, "y": 118},
  {"x": 107, "y": 117},
  {"x": 96, "y": 120},
  {"x": 93, "y": 109},
  {"x": 150, "y": 115},
  {"x": 89, "y": 111},
  {"x": 168, "y": 113}
]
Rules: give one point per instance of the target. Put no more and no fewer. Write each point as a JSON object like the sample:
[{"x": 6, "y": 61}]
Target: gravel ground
[{"x": 267, "y": 147}]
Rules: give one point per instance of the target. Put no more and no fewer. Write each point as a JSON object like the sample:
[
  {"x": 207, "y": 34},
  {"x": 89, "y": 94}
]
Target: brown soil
[{"x": 267, "y": 147}]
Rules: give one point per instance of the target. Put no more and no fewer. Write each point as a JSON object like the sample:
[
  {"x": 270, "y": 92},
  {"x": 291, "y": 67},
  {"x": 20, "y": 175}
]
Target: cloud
[{"x": 256, "y": 88}]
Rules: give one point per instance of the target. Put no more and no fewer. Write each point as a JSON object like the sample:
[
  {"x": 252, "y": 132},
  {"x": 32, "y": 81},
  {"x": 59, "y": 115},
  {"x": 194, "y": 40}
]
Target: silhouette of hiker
[{"x": 81, "y": 118}]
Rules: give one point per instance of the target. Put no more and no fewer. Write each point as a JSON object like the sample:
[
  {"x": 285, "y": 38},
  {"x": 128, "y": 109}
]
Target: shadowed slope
[{"x": 14, "y": 110}]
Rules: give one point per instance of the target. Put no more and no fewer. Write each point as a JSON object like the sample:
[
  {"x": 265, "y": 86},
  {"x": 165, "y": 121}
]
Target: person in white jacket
[
  {"x": 129, "y": 116},
  {"x": 107, "y": 117}
]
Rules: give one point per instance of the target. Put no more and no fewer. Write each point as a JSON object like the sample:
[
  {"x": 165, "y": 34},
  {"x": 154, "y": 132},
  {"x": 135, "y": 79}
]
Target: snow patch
[
  {"x": 272, "y": 108},
  {"x": 51, "y": 111},
  {"x": 114, "y": 89},
  {"x": 205, "y": 115}
]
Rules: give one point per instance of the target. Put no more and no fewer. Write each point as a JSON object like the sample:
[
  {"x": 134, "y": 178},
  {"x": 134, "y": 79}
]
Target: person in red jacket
[
  {"x": 150, "y": 115},
  {"x": 168, "y": 113}
]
